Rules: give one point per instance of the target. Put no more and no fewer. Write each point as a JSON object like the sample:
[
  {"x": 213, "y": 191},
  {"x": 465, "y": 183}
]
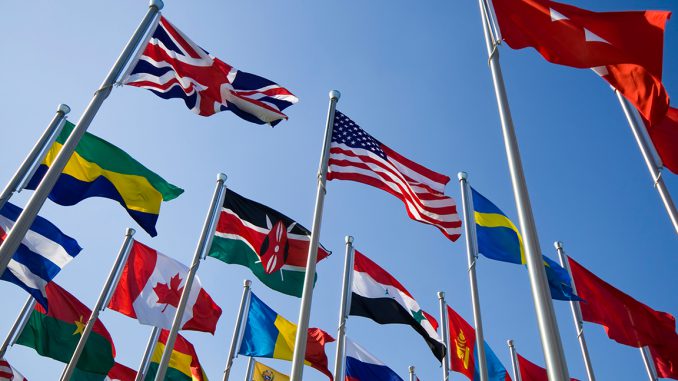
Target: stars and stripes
[
  {"x": 356, "y": 155},
  {"x": 173, "y": 66},
  {"x": 8, "y": 373}
]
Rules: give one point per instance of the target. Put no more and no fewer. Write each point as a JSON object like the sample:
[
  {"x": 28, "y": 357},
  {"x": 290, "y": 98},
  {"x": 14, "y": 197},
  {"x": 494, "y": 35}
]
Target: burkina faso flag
[
  {"x": 272, "y": 245},
  {"x": 56, "y": 333}
]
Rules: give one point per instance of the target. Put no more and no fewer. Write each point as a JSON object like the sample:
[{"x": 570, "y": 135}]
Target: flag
[
  {"x": 42, "y": 253},
  {"x": 626, "y": 320},
  {"x": 625, "y": 48},
  {"x": 463, "y": 351},
  {"x": 150, "y": 288},
  {"x": 499, "y": 239},
  {"x": 266, "y": 373},
  {"x": 362, "y": 366},
  {"x": 272, "y": 245},
  {"x": 377, "y": 295},
  {"x": 355, "y": 155},
  {"x": 173, "y": 66},
  {"x": 118, "y": 372},
  {"x": 183, "y": 363},
  {"x": 664, "y": 136},
  {"x": 8, "y": 373},
  {"x": 55, "y": 333},
  {"x": 665, "y": 357},
  {"x": 97, "y": 168},
  {"x": 270, "y": 335},
  {"x": 532, "y": 372}
]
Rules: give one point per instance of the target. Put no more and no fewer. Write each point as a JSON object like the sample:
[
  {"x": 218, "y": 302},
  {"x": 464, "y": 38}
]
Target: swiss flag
[{"x": 625, "y": 48}]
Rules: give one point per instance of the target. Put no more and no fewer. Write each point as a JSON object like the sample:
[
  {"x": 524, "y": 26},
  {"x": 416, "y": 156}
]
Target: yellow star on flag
[{"x": 79, "y": 326}]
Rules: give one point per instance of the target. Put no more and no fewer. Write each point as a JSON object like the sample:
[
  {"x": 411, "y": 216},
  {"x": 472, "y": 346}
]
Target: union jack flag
[{"x": 173, "y": 66}]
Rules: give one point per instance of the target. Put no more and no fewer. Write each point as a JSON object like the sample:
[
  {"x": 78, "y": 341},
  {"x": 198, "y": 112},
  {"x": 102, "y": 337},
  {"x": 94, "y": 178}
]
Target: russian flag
[{"x": 362, "y": 366}]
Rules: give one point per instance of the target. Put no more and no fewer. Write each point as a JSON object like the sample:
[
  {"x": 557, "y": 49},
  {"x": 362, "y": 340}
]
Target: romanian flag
[
  {"x": 499, "y": 239},
  {"x": 100, "y": 169},
  {"x": 270, "y": 335},
  {"x": 183, "y": 364}
]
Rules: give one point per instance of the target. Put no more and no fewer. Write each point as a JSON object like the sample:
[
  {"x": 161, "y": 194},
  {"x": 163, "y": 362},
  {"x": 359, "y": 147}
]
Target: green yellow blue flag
[{"x": 499, "y": 239}]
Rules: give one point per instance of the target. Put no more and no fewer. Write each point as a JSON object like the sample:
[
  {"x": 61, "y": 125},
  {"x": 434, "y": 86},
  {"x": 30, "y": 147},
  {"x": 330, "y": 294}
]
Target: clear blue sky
[{"x": 415, "y": 76}]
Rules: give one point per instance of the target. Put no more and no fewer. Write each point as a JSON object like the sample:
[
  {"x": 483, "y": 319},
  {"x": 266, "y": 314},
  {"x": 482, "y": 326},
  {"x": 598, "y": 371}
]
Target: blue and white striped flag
[{"x": 43, "y": 252}]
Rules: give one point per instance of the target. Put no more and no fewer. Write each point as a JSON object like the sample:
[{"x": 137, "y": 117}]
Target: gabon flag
[{"x": 150, "y": 288}]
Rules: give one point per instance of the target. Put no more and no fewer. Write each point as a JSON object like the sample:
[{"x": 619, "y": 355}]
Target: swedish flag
[{"x": 499, "y": 239}]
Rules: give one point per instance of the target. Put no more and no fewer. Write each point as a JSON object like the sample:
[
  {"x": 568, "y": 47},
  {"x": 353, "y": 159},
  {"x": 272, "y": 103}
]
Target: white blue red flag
[
  {"x": 173, "y": 66},
  {"x": 362, "y": 366}
]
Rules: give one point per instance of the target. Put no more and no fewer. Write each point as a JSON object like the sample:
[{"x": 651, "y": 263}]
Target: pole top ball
[{"x": 335, "y": 94}]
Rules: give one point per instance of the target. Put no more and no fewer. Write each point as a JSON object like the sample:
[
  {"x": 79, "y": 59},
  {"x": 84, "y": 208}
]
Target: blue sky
[{"x": 413, "y": 76}]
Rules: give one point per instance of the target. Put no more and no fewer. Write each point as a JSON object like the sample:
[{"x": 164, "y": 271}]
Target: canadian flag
[{"x": 150, "y": 288}]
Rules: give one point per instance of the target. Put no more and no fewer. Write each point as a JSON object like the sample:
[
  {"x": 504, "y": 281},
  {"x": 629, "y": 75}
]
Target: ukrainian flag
[
  {"x": 499, "y": 239},
  {"x": 97, "y": 168}
]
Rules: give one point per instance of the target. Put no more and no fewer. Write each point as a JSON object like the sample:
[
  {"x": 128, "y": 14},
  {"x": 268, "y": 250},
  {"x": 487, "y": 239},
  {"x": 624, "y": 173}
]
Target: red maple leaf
[{"x": 169, "y": 295}]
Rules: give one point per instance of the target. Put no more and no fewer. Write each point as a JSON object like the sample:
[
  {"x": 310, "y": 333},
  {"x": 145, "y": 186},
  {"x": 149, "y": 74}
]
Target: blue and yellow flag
[{"x": 499, "y": 239}]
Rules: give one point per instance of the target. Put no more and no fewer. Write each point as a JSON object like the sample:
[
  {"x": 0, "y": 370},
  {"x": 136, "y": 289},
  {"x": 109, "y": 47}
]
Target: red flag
[
  {"x": 665, "y": 356},
  {"x": 664, "y": 135},
  {"x": 530, "y": 371},
  {"x": 315, "y": 350},
  {"x": 626, "y": 320},
  {"x": 120, "y": 372},
  {"x": 625, "y": 48}
]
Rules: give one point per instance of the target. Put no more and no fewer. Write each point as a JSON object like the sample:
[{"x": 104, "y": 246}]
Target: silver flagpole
[
  {"x": 541, "y": 294},
  {"x": 344, "y": 309},
  {"x": 18, "y": 325},
  {"x": 25, "y": 220},
  {"x": 576, "y": 313},
  {"x": 472, "y": 254},
  {"x": 111, "y": 283},
  {"x": 242, "y": 312},
  {"x": 204, "y": 244},
  {"x": 653, "y": 165},
  {"x": 514, "y": 361},
  {"x": 250, "y": 369},
  {"x": 309, "y": 277},
  {"x": 411, "y": 369},
  {"x": 446, "y": 335},
  {"x": 649, "y": 364},
  {"x": 34, "y": 157},
  {"x": 148, "y": 354}
]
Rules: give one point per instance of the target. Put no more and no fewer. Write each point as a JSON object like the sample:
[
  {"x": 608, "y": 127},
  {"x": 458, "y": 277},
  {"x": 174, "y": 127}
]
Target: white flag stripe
[
  {"x": 359, "y": 353},
  {"x": 416, "y": 176},
  {"x": 40, "y": 245}
]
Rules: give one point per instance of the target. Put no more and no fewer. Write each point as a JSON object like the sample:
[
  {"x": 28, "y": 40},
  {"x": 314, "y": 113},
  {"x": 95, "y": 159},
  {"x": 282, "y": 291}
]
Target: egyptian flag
[
  {"x": 272, "y": 245},
  {"x": 376, "y": 295},
  {"x": 362, "y": 366}
]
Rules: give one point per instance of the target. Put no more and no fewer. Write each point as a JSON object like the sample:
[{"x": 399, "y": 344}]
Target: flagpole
[
  {"x": 576, "y": 313},
  {"x": 649, "y": 364},
  {"x": 472, "y": 254},
  {"x": 148, "y": 354},
  {"x": 411, "y": 369},
  {"x": 242, "y": 313},
  {"x": 309, "y": 277},
  {"x": 344, "y": 309},
  {"x": 514, "y": 361},
  {"x": 250, "y": 369},
  {"x": 18, "y": 325},
  {"x": 34, "y": 156},
  {"x": 548, "y": 327},
  {"x": 653, "y": 165},
  {"x": 25, "y": 220},
  {"x": 111, "y": 283},
  {"x": 446, "y": 335},
  {"x": 204, "y": 244}
]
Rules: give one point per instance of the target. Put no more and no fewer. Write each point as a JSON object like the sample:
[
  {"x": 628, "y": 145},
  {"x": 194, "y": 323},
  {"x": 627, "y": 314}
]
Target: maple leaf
[{"x": 169, "y": 295}]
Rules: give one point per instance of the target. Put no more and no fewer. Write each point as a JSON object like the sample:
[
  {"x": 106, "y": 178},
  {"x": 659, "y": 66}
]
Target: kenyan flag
[
  {"x": 56, "y": 333},
  {"x": 272, "y": 245}
]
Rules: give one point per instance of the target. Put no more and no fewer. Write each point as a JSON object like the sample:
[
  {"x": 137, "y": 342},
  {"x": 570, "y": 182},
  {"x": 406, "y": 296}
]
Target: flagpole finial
[
  {"x": 335, "y": 94},
  {"x": 63, "y": 108},
  {"x": 509, "y": 342},
  {"x": 411, "y": 368},
  {"x": 156, "y": 3},
  {"x": 130, "y": 232},
  {"x": 348, "y": 239},
  {"x": 441, "y": 295},
  {"x": 558, "y": 245},
  {"x": 462, "y": 176},
  {"x": 222, "y": 177},
  {"x": 246, "y": 283}
]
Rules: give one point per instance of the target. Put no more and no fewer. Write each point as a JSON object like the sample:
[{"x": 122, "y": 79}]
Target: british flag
[{"x": 173, "y": 66}]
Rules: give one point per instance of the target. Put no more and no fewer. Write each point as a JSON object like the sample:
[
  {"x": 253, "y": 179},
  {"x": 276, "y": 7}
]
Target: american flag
[
  {"x": 8, "y": 373},
  {"x": 173, "y": 66},
  {"x": 356, "y": 155}
]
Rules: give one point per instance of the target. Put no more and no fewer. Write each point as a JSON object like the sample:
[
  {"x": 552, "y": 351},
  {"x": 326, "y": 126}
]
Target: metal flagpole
[
  {"x": 576, "y": 313},
  {"x": 653, "y": 164},
  {"x": 250, "y": 369},
  {"x": 204, "y": 244},
  {"x": 309, "y": 278},
  {"x": 344, "y": 309},
  {"x": 242, "y": 315},
  {"x": 411, "y": 369},
  {"x": 649, "y": 364},
  {"x": 25, "y": 220},
  {"x": 548, "y": 327},
  {"x": 446, "y": 335},
  {"x": 34, "y": 157},
  {"x": 18, "y": 325},
  {"x": 111, "y": 283},
  {"x": 472, "y": 254},
  {"x": 148, "y": 354},
  {"x": 514, "y": 361}
]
